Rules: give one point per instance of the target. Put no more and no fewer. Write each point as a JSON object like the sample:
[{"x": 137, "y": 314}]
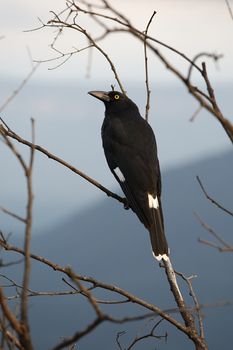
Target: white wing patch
[
  {"x": 153, "y": 202},
  {"x": 119, "y": 174}
]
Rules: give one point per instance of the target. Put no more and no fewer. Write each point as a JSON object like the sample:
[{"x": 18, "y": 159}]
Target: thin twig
[
  {"x": 85, "y": 291},
  {"x": 15, "y": 216},
  {"x": 61, "y": 55},
  {"x": 214, "y": 56},
  {"x": 196, "y": 302},
  {"x": 19, "y": 88},
  {"x": 212, "y": 232},
  {"x": 107, "y": 302},
  {"x": 226, "y": 124},
  {"x": 213, "y": 245},
  {"x": 148, "y": 335},
  {"x": 78, "y": 335},
  {"x": 57, "y": 22},
  {"x": 229, "y": 9},
  {"x": 119, "y": 334},
  {"x": 11, "y": 263},
  {"x": 211, "y": 198},
  {"x": 194, "y": 115},
  {"x": 13, "y": 148},
  {"x": 32, "y": 293},
  {"x": 148, "y": 91}
]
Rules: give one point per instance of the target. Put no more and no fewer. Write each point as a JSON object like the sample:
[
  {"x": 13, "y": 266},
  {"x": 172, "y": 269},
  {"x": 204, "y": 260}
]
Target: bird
[{"x": 131, "y": 152}]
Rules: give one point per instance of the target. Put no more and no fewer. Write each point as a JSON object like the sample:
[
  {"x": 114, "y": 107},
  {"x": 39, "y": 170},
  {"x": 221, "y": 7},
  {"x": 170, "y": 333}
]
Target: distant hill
[{"x": 109, "y": 243}]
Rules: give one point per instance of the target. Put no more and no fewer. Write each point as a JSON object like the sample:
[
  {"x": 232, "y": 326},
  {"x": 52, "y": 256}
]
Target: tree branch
[
  {"x": 213, "y": 200},
  {"x": 10, "y": 213},
  {"x": 15, "y": 324},
  {"x": 98, "y": 284},
  {"x": 148, "y": 92},
  {"x": 13, "y": 135},
  {"x": 20, "y": 87},
  {"x": 26, "y": 338}
]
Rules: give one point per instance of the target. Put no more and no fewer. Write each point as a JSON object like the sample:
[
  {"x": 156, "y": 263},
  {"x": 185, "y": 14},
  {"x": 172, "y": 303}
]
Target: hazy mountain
[{"x": 109, "y": 243}]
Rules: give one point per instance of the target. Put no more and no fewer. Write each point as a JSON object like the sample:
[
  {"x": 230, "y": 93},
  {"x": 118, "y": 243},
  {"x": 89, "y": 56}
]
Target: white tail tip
[{"x": 161, "y": 257}]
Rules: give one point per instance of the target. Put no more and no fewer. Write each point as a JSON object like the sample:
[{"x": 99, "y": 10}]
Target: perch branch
[{"x": 13, "y": 135}]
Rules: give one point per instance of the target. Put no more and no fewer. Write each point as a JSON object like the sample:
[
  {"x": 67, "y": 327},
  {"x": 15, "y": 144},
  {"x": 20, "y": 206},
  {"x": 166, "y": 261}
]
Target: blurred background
[{"x": 68, "y": 124}]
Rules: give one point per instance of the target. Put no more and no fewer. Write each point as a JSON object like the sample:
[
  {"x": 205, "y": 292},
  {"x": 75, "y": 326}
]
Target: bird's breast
[{"x": 114, "y": 130}]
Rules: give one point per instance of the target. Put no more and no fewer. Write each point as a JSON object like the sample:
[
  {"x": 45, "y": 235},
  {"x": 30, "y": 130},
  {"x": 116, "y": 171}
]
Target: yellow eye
[{"x": 116, "y": 97}]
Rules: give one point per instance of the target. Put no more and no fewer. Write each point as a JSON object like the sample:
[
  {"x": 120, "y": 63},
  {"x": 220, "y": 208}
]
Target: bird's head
[{"x": 113, "y": 100}]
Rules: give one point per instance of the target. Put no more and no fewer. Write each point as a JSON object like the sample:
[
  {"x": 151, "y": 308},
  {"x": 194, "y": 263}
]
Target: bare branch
[
  {"x": 156, "y": 311},
  {"x": 151, "y": 334},
  {"x": 122, "y": 20},
  {"x": 194, "y": 115},
  {"x": 85, "y": 291},
  {"x": 15, "y": 324},
  {"x": 18, "y": 138},
  {"x": 99, "y": 284},
  {"x": 227, "y": 247},
  {"x": 107, "y": 302},
  {"x": 213, "y": 200},
  {"x": 15, "y": 216},
  {"x": 57, "y": 22},
  {"x": 26, "y": 338},
  {"x": 119, "y": 334},
  {"x": 226, "y": 124},
  {"x": 13, "y": 148},
  {"x": 19, "y": 88},
  {"x": 206, "y": 100},
  {"x": 229, "y": 8},
  {"x": 78, "y": 335},
  {"x": 213, "y": 245},
  {"x": 148, "y": 92},
  {"x": 11, "y": 338},
  {"x": 214, "y": 56},
  {"x": 196, "y": 302},
  {"x": 62, "y": 55},
  {"x": 11, "y": 263}
]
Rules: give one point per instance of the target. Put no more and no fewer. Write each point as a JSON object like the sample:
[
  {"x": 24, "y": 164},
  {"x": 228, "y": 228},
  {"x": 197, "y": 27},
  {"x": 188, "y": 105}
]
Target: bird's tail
[{"x": 157, "y": 236}]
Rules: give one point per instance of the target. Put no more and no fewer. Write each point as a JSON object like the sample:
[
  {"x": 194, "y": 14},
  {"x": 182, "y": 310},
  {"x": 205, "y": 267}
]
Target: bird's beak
[{"x": 101, "y": 95}]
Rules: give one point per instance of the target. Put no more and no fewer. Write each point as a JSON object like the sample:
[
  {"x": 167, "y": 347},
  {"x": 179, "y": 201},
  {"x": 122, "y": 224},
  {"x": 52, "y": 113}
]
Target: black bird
[{"x": 131, "y": 153}]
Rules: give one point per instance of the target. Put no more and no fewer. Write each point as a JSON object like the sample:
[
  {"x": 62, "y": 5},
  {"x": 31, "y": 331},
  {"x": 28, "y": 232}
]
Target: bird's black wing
[{"x": 131, "y": 153}]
